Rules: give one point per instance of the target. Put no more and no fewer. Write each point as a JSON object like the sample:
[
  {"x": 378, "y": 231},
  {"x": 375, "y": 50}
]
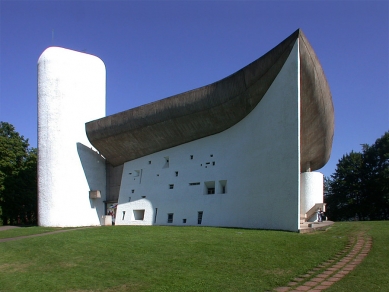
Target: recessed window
[
  {"x": 183, "y": 220},
  {"x": 211, "y": 155},
  {"x": 170, "y": 218},
  {"x": 132, "y": 191},
  {"x": 176, "y": 173},
  {"x": 155, "y": 215},
  {"x": 191, "y": 157},
  {"x": 171, "y": 186},
  {"x": 166, "y": 162},
  {"x": 199, "y": 217},
  {"x": 194, "y": 183},
  {"x": 143, "y": 197},
  {"x": 209, "y": 187},
  {"x": 124, "y": 214},
  {"x": 139, "y": 214},
  {"x": 213, "y": 162},
  {"x": 149, "y": 161},
  {"x": 222, "y": 187},
  {"x": 129, "y": 199}
]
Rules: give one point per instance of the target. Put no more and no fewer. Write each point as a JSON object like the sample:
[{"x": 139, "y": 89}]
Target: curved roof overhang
[{"x": 216, "y": 107}]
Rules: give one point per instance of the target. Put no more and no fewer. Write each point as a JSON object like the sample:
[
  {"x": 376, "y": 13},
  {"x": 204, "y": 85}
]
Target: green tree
[
  {"x": 18, "y": 175},
  {"x": 359, "y": 188}
]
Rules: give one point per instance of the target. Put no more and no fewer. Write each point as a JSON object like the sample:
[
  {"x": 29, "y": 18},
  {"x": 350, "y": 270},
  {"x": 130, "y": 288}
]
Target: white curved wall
[
  {"x": 258, "y": 158},
  {"x": 71, "y": 92},
  {"x": 311, "y": 190}
]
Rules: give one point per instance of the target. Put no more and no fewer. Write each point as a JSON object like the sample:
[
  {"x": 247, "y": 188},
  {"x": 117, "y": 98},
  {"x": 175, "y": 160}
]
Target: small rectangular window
[
  {"x": 155, "y": 215},
  {"x": 222, "y": 189},
  {"x": 176, "y": 173},
  {"x": 170, "y": 218},
  {"x": 194, "y": 183},
  {"x": 199, "y": 217},
  {"x": 183, "y": 220},
  {"x": 166, "y": 162},
  {"x": 132, "y": 191},
  {"x": 149, "y": 161},
  {"x": 143, "y": 197},
  {"x": 191, "y": 157},
  {"x": 171, "y": 186},
  {"x": 129, "y": 199}
]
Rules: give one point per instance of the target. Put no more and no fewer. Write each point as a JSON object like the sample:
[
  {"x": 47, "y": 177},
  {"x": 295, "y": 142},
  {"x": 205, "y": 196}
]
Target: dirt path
[{"x": 333, "y": 270}]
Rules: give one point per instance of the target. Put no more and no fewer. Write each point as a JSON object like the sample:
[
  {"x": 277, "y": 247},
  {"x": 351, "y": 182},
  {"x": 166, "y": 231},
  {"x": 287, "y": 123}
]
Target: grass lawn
[{"x": 159, "y": 258}]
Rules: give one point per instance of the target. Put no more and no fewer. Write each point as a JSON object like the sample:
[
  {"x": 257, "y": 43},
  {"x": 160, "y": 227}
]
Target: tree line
[
  {"x": 359, "y": 188},
  {"x": 18, "y": 178}
]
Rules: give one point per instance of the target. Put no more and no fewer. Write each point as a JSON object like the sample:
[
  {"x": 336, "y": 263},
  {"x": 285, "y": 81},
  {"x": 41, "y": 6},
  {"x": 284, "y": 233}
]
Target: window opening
[
  {"x": 199, "y": 217},
  {"x": 170, "y": 218},
  {"x": 211, "y": 155},
  {"x": 132, "y": 191},
  {"x": 194, "y": 183},
  {"x": 183, "y": 220},
  {"x": 139, "y": 215},
  {"x": 155, "y": 215},
  {"x": 124, "y": 213},
  {"x": 222, "y": 187},
  {"x": 176, "y": 173},
  {"x": 166, "y": 162},
  {"x": 149, "y": 161},
  {"x": 209, "y": 187},
  {"x": 171, "y": 186},
  {"x": 143, "y": 197},
  {"x": 213, "y": 162},
  {"x": 191, "y": 157},
  {"x": 129, "y": 199}
]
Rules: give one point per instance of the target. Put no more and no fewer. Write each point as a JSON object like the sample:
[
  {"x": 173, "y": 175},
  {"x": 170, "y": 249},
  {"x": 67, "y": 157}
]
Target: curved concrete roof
[{"x": 216, "y": 107}]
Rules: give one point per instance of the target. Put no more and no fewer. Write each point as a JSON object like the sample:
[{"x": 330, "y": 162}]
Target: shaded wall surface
[{"x": 245, "y": 176}]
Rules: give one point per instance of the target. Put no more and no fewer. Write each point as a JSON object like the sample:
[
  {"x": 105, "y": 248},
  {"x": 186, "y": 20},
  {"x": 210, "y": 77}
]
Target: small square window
[
  {"x": 132, "y": 191},
  {"x": 171, "y": 186},
  {"x": 139, "y": 214},
  {"x": 149, "y": 161},
  {"x": 183, "y": 220},
  {"x": 191, "y": 157}
]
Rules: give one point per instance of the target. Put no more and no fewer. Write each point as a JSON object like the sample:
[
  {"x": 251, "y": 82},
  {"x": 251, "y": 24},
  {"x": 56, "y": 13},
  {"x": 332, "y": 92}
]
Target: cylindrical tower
[
  {"x": 311, "y": 190},
  {"x": 71, "y": 92}
]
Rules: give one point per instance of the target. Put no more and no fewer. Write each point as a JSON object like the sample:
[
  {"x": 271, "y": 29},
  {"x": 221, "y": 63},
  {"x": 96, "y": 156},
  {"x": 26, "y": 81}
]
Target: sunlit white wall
[{"x": 71, "y": 92}]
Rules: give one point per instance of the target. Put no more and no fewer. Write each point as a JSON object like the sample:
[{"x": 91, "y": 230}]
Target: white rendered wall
[
  {"x": 71, "y": 92},
  {"x": 311, "y": 190},
  {"x": 258, "y": 158}
]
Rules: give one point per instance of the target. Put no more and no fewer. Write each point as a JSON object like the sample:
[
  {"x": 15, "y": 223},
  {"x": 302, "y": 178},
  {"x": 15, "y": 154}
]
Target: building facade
[{"x": 236, "y": 153}]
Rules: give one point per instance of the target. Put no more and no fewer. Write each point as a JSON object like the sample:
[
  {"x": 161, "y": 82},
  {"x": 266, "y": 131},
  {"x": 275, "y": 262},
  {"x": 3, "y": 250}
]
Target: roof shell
[{"x": 216, "y": 107}]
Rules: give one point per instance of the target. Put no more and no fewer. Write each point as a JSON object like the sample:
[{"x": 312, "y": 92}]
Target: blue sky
[{"x": 155, "y": 49}]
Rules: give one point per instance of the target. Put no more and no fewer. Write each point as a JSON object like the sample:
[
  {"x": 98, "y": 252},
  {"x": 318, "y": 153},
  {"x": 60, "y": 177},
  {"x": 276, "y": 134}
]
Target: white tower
[{"x": 71, "y": 176}]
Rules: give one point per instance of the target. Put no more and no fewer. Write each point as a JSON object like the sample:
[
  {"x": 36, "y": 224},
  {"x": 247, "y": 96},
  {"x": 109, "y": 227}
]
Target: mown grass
[
  {"x": 25, "y": 231},
  {"x": 156, "y": 258}
]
